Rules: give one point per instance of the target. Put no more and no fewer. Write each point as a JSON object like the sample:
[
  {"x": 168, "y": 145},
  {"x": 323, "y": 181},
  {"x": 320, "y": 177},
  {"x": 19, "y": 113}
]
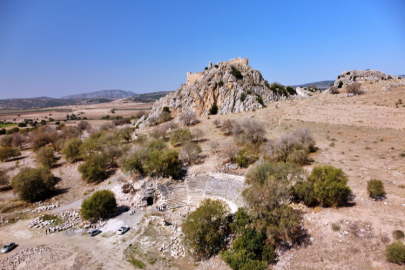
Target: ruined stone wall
[
  {"x": 236, "y": 61},
  {"x": 192, "y": 77}
]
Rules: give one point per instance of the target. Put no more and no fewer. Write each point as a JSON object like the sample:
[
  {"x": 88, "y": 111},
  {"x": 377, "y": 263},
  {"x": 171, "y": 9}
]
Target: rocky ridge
[
  {"x": 361, "y": 76},
  {"x": 223, "y": 85}
]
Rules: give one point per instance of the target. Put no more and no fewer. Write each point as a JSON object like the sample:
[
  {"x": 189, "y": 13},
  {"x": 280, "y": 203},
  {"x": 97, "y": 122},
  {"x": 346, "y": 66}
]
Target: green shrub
[
  {"x": 7, "y": 152},
  {"x": 304, "y": 191},
  {"x": 94, "y": 169},
  {"x": 33, "y": 184},
  {"x": 4, "y": 178},
  {"x": 220, "y": 83},
  {"x": 260, "y": 100},
  {"x": 46, "y": 157},
  {"x": 340, "y": 85},
  {"x": 398, "y": 234},
  {"x": 330, "y": 185},
  {"x": 180, "y": 136},
  {"x": 248, "y": 92},
  {"x": 214, "y": 109},
  {"x": 166, "y": 109},
  {"x": 396, "y": 252},
  {"x": 216, "y": 66},
  {"x": 205, "y": 68},
  {"x": 375, "y": 188},
  {"x": 101, "y": 204},
  {"x": 291, "y": 90},
  {"x": 71, "y": 149},
  {"x": 3, "y": 131},
  {"x": 203, "y": 229},
  {"x": 241, "y": 159},
  {"x": 235, "y": 72},
  {"x": 243, "y": 96}
]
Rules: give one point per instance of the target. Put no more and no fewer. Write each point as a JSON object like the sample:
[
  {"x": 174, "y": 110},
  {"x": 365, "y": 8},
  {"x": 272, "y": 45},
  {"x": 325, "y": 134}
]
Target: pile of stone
[
  {"x": 70, "y": 218},
  {"x": 173, "y": 248},
  {"x": 39, "y": 223},
  {"x": 26, "y": 254},
  {"x": 45, "y": 207}
]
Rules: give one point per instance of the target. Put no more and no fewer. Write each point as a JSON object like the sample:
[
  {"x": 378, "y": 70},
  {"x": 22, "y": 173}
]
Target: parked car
[
  {"x": 94, "y": 232},
  {"x": 8, "y": 247},
  {"x": 123, "y": 230}
]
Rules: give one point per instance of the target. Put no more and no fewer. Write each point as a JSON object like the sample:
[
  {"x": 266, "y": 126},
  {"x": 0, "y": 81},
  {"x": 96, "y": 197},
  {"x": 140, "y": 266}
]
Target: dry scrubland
[{"x": 363, "y": 135}]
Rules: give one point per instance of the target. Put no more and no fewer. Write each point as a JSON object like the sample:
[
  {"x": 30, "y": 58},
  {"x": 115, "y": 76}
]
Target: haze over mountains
[{"x": 113, "y": 94}]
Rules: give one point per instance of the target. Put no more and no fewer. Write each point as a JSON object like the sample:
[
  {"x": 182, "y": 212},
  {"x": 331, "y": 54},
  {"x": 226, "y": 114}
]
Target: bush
[
  {"x": 304, "y": 191},
  {"x": 101, "y": 204},
  {"x": 220, "y": 83},
  {"x": 33, "y": 184},
  {"x": 46, "y": 157},
  {"x": 260, "y": 100},
  {"x": 291, "y": 90},
  {"x": 243, "y": 96},
  {"x": 249, "y": 130},
  {"x": 235, "y": 72},
  {"x": 396, "y": 252},
  {"x": 3, "y": 131},
  {"x": 39, "y": 140},
  {"x": 166, "y": 109},
  {"x": 330, "y": 185},
  {"x": 188, "y": 118},
  {"x": 353, "y": 88},
  {"x": 398, "y": 234},
  {"x": 4, "y": 178},
  {"x": 203, "y": 229},
  {"x": 7, "y": 152},
  {"x": 180, "y": 136},
  {"x": 375, "y": 188},
  {"x": 214, "y": 109},
  {"x": 227, "y": 126},
  {"x": 189, "y": 152},
  {"x": 334, "y": 90},
  {"x": 60, "y": 126},
  {"x": 71, "y": 149},
  {"x": 340, "y": 85},
  {"x": 241, "y": 159},
  {"x": 94, "y": 169},
  {"x": 335, "y": 227}
]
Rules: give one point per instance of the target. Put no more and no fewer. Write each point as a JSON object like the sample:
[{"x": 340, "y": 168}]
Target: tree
[
  {"x": 180, "y": 136},
  {"x": 203, "y": 229},
  {"x": 126, "y": 134},
  {"x": 375, "y": 189},
  {"x": 94, "y": 169},
  {"x": 230, "y": 150},
  {"x": 7, "y": 140},
  {"x": 188, "y": 118},
  {"x": 396, "y": 252},
  {"x": 250, "y": 130},
  {"x": 214, "y": 146},
  {"x": 268, "y": 194},
  {"x": 84, "y": 125},
  {"x": 189, "y": 152},
  {"x": 18, "y": 140},
  {"x": 197, "y": 133},
  {"x": 214, "y": 109},
  {"x": 40, "y": 139},
  {"x": 217, "y": 123},
  {"x": 354, "y": 88},
  {"x": 33, "y": 184},
  {"x": 330, "y": 185},
  {"x": 227, "y": 126},
  {"x": 71, "y": 149},
  {"x": 101, "y": 204},
  {"x": 7, "y": 152},
  {"x": 46, "y": 157},
  {"x": 4, "y": 178}
]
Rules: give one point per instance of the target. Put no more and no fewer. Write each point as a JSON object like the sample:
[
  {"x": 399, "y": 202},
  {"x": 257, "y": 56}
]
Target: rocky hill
[
  {"x": 348, "y": 77},
  {"x": 148, "y": 97},
  {"x": 320, "y": 85},
  {"x": 112, "y": 94},
  {"x": 233, "y": 86}
]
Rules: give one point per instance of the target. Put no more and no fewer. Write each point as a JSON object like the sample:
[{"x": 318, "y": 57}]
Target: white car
[
  {"x": 123, "y": 230},
  {"x": 94, "y": 232}
]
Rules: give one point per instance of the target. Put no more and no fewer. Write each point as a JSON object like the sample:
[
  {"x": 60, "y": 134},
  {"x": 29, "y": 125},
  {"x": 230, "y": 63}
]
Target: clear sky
[{"x": 57, "y": 48}]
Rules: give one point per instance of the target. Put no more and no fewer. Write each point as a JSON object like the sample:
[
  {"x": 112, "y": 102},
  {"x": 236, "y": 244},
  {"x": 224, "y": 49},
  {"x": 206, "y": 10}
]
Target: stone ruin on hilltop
[{"x": 233, "y": 86}]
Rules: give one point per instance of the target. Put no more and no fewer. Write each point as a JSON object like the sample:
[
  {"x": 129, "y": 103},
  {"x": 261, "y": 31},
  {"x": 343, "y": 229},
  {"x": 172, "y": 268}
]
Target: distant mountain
[
  {"x": 402, "y": 76},
  {"x": 319, "y": 85},
  {"x": 112, "y": 94},
  {"x": 149, "y": 97},
  {"x": 45, "y": 102}
]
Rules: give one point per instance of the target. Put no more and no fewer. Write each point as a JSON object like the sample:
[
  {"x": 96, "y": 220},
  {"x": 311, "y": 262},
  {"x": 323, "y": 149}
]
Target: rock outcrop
[
  {"x": 361, "y": 76},
  {"x": 233, "y": 86}
]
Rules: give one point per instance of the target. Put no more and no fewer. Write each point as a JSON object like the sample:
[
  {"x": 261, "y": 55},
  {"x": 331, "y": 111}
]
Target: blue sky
[{"x": 56, "y": 48}]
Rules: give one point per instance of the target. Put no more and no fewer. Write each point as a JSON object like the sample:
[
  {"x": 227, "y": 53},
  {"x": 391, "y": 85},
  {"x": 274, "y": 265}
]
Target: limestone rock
[
  {"x": 219, "y": 85},
  {"x": 361, "y": 76}
]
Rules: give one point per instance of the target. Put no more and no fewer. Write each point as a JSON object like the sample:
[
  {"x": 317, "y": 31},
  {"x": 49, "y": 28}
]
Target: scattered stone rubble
[
  {"x": 39, "y": 223},
  {"x": 45, "y": 207},
  {"x": 11, "y": 262},
  {"x": 70, "y": 218}
]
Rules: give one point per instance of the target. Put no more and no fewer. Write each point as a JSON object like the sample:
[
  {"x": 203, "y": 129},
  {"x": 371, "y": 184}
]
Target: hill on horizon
[
  {"x": 113, "y": 94},
  {"x": 321, "y": 84}
]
